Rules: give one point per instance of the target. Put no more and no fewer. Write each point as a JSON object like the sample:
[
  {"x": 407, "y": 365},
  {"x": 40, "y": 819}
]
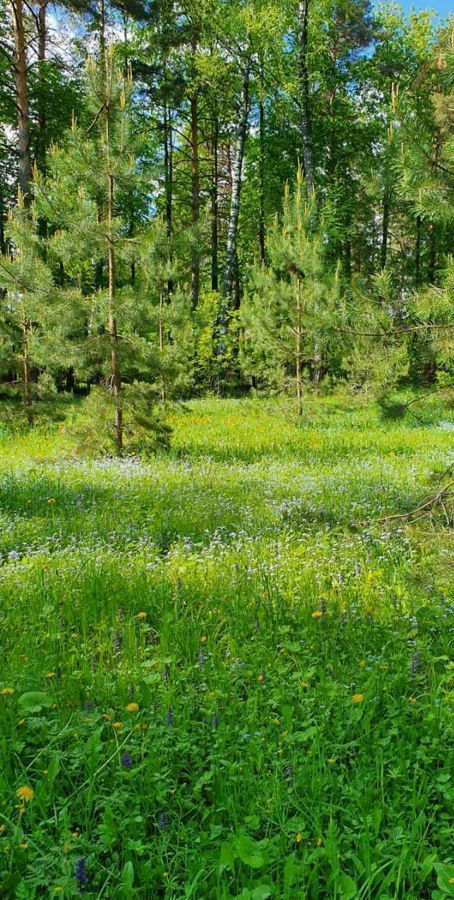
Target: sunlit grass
[{"x": 222, "y": 675}]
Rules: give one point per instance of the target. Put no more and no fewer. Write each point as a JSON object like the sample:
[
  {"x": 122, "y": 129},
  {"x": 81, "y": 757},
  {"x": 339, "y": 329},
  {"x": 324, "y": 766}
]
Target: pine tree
[
  {"x": 26, "y": 289},
  {"x": 291, "y": 297},
  {"x": 91, "y": 180}
]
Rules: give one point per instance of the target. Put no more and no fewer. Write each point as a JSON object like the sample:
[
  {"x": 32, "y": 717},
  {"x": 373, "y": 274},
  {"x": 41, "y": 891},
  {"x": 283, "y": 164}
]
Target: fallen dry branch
[{"x": 428, "y": 506}]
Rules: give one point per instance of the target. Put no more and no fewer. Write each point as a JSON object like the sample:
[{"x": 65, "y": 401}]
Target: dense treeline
[{"x": 210, "y": 195}]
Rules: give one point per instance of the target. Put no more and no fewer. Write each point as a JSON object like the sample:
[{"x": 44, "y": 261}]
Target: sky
[{"x": 442, "y": 7}]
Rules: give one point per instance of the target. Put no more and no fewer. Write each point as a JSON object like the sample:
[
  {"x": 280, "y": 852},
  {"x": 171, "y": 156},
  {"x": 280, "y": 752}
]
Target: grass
[{"x": 221, "y": 675}]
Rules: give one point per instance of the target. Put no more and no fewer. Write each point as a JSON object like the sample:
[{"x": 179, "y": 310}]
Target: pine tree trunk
[
  {"x": 432, "y": 254},
  {"x": 385, "y": 228},
  {"x": 42, "y": 124},
  {"x": 215, "y": 205},
  {"x": 418, "y": 251},
  {"x": 23, "y": 112},
  {"x": 102, "y": 30},
  {"x": 305, "y": 114},
  {"x": 2, "y": 221},
  {"x": 262, "y": 178},
  {"x": 26, "y": 373},
  {"x": 168, "y": 180},
  {"x": 114, "y": 349},
  {"x": 195, "y": 200},
  {"x": 232, "y": 233},
  {"x": 161, "y": 339},
  {"x": 298, "y": 347}
]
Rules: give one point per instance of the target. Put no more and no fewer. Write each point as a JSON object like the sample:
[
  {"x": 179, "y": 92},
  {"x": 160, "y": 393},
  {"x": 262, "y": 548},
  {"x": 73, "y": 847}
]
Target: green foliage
[
  {"x": 144, "y": 428},
  {"x": 293, "y": 296}
]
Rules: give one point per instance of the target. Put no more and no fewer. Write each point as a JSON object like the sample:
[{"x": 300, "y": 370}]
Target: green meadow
[{"x": 224, "y": 673}]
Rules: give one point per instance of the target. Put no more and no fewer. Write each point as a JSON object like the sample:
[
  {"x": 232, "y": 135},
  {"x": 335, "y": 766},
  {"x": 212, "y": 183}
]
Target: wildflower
[
  {"x": 126, "y": 761},
  {"x": 163, "y": 821},
  {"x": 117, "y": 724},
  {"x": 330, "y": 761},
  {"x": 317, "y": 614},
  {"x": 132, "y": 707},
  {"x": 6, "y": 691},
  {"x": 142, "y": 615},
  {"x": 203, "y": 639},
  {"x": 298, "y": 838},
  {"x": 261, "y": 676},
  {"x": 358, "y": 698},
  {"x": 80, "y": 871},
  {"x": 51, "y": 500},
  {"x": 169, "y": 716},
  {"x": 25, "y": 793},
  {"x": 412, "y": 699}
]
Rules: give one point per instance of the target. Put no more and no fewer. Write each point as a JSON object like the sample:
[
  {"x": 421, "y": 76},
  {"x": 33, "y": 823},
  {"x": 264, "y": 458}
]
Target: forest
[
  {"x": 221, "y": 197},
  {"x": 226, "y": 417}
]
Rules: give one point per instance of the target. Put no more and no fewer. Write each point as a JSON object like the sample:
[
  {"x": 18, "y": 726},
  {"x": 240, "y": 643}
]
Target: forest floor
[{"x": 221, "y": 675}]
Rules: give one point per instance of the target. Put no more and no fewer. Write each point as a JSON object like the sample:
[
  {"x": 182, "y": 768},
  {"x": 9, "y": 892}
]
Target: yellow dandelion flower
[
  {"x": 317, "y": 614},
  {"x": 412, "y": 699},
  {"x": 132, "y": 707},
  {"x": 142, "y": 615},
  {"x": 330, "y": 761},
  {"x": 25, "y": 793},
  {"x": 6, "y": 691},
  {"x": 358, "y": 698},
  {"x": 117, "y": 724},
  {"x": 298, "y": 838},
  {"x": 51, "y": 500},
  {"x": 203, "y": 639},
  {"x": 260, "y": 677}
]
